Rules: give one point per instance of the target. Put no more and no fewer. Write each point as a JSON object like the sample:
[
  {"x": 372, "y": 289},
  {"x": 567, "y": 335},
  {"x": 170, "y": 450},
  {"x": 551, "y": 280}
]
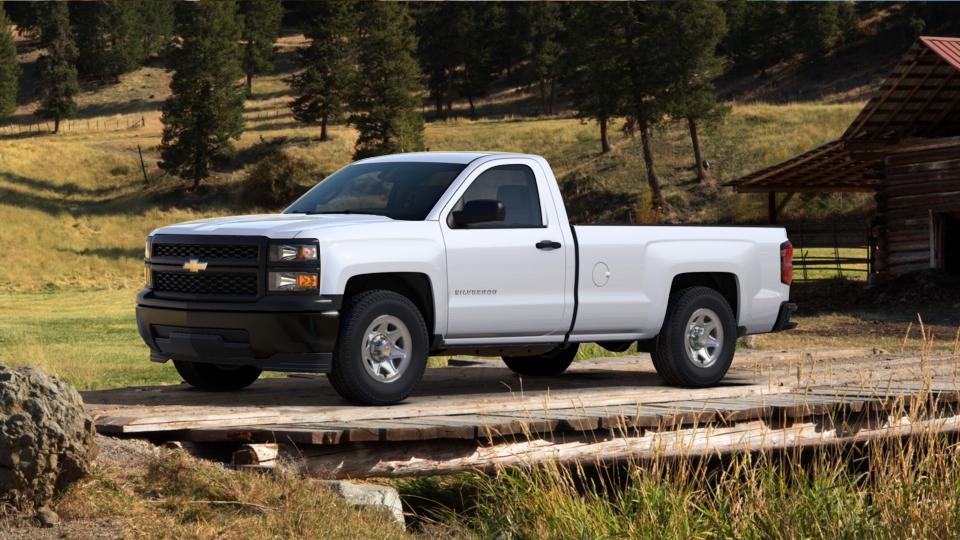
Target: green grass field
[{"x": 88, "y": 338}]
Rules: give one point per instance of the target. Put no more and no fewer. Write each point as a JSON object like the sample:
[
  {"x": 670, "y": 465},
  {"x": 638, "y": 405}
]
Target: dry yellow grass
[{"x": 176, "y": 496}]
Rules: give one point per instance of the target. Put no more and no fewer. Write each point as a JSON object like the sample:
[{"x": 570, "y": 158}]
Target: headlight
[
  {"x": 146, "y": 249},
  {"x": 292, "y": 281},
  {"x": 293, "y": 252}
]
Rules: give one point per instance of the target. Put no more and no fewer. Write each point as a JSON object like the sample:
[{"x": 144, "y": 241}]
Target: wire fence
[
  {"x": 118, "y": 122},
  {"x": 73, "y": 125}
]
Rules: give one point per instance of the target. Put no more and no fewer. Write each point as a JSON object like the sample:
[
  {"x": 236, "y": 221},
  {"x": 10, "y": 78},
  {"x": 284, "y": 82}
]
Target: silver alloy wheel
[
  {"x": 704, "y": 338},
  {"x": 386, "y": 348}
]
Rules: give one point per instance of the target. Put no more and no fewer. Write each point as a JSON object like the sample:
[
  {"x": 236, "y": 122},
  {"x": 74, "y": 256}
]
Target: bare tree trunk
[
  {"x": 553, "y": 95},
  {"x": 543, "y": 96},
  {"x": 249, "y": 84},
  {"x": 695, "y": 139},
  {"x": 656, "y": 196},
  {"x": 473, "y": 108},
  {"x": 604, "y": 140},
  {"x": 323, "y": 129},
  {"x": 56, "y": 124}
]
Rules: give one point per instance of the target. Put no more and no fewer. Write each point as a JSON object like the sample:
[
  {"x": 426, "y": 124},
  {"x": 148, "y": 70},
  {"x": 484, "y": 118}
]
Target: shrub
[{"x": 276, "y": 180}]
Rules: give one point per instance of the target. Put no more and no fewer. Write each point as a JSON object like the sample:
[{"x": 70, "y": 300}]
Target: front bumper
[
  {"x": 783, "y": 318},
  {"x": 252, "y": 334}
]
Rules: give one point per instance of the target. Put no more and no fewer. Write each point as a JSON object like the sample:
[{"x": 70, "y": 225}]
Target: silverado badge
[{"x": 194, "y": 265}]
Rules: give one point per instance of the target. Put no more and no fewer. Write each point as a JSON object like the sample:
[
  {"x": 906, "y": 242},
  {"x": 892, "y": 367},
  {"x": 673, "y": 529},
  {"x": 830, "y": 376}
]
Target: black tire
[
  {"x": 216, "y": 377},
  {"x": 350, "y": 375},
  {"x": 674, "y": 356},
  {"x": 554, "y": 362}
]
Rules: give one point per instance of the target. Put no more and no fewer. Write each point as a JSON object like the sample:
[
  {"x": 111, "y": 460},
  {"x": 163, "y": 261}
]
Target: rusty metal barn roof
[{"x": 920, "y": 99}]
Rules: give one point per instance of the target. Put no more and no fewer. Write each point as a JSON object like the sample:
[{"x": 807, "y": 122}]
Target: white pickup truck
[{"x": 393, "y": 259}]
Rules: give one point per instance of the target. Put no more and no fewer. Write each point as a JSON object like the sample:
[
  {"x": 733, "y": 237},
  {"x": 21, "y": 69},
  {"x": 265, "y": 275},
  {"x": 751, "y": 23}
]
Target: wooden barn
[{"x": 905, "y": 147}]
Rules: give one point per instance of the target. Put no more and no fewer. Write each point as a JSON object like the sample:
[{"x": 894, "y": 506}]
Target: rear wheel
[
  {"x": 696, "y": 344},
  {"x": 554, "y": 362},
  {"x": 382, "y": 349},
  {"x": 216, "y": 377}
]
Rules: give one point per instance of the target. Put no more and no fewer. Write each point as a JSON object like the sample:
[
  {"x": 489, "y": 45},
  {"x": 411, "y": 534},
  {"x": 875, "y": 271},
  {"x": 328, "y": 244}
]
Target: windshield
[{"x": 398, "y": 190}]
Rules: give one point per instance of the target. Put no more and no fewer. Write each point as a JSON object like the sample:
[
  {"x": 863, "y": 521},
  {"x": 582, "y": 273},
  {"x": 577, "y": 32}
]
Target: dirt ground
[{"x": 889, "y": 315}]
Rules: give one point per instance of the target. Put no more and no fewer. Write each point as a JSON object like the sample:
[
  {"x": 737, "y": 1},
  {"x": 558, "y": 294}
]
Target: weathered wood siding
[{"x": 920, "y": 182}]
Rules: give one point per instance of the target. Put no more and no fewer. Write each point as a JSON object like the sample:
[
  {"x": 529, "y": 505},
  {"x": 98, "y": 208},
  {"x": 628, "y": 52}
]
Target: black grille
[
  {"x": 207, "y": 251},
  {"x": 223, "y": 284}
]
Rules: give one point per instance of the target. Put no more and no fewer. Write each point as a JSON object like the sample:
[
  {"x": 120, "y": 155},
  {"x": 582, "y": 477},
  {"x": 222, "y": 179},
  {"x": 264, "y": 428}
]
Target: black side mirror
[{"x": 479, "y": 211}]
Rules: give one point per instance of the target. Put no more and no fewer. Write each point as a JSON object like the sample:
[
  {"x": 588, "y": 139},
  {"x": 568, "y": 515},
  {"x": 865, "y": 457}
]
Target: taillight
[{"x": 786, "y": 263}]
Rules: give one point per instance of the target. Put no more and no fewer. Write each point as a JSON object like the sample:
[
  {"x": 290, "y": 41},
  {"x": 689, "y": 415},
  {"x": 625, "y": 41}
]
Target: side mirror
[{"x": 479, "y": 211}]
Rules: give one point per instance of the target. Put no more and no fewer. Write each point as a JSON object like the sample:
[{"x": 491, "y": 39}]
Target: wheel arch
[
  {"x": 414, "y": 285},
  {"x": 725, "y": 283}
]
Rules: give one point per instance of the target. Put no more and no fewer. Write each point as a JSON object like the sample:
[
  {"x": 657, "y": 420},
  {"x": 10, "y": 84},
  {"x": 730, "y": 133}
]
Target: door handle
[{"x": 548, "y": 245}]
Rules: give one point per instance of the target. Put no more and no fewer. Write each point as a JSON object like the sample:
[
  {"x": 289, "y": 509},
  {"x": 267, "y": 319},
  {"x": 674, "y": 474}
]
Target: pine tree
[
  {"x": 58, "y": 75},
  {"x": 697, "y": 26},
  {"x": 9, "y": 68},
  {"x": 815, "y": 29},
  {"x": 593, "y": 71},
  {"x": 545, "y": 49},
  {"x": 646, "y": 75},
  {"x": 475, "y": 49},
  {"x": 326, "y": 65},
  {"x": 109, "y": 37},
  {"x": 436, "y": 24},
  {"x": 156, "y": 25},
  {"x": 206, "y": 109},
  {"x": 457, "y": 46},
  {"x": 261, "y": 26},
  {"x": 383, "y": 98},
  {"x": 514, "y": 38},
  {"x": 756, "y": 31}
]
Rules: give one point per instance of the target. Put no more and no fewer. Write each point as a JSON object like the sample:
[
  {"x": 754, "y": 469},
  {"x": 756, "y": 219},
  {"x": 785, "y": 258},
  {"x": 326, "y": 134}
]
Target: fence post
[
  {"x": 836, "y": 250},
  {"x": 143, "y": 167}
]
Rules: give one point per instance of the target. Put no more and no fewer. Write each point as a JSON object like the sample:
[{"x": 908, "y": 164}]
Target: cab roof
[{"x": 441, "y": 157}]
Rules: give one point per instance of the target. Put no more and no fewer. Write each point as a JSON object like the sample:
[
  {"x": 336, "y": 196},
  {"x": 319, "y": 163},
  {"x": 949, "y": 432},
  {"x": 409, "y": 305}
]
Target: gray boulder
[
  {"x": 46, "y": 437},
  {"x": 379, "y": 498}
]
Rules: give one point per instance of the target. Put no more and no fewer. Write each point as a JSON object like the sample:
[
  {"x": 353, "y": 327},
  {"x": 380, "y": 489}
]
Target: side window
[{"x": 513, "y": 185}]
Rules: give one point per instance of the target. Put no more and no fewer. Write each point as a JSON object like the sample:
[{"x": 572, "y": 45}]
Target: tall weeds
[{"x": 885, "y": 489}]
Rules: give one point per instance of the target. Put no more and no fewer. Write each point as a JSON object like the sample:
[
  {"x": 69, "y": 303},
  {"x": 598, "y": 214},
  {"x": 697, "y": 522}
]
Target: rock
[
  {"x": 383, "y": 498},
  {"x": 46, "y": 437},
  {"x": 47, "y": 517},
  {"x": 748, "y": 341}
]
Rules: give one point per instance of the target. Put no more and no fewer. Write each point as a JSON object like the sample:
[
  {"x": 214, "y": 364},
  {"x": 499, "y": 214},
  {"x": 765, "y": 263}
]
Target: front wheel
[
  {"x": 554, "y": 362},
  {"x": 216, "y": 377},
  {"x": 382, "y": 349},
  {"x": 696, "y": 344}
]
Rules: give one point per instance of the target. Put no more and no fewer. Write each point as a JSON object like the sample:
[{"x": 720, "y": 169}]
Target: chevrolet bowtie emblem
[{"x": 194, "y": 265}]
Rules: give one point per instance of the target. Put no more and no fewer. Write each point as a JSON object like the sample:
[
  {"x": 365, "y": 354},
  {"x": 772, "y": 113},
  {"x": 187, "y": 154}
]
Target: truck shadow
[{"x": 484, "y": 385}]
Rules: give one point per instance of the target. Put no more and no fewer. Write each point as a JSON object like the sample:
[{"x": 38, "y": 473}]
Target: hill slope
[{"x": 79, "y": 197}]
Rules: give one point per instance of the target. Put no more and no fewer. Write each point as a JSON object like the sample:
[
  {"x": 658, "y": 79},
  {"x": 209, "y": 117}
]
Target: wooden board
[{"x": 482, "y": 403}]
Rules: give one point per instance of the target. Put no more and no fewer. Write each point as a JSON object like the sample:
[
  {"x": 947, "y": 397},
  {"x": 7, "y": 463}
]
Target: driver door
[{"x": 506, "y": 278}]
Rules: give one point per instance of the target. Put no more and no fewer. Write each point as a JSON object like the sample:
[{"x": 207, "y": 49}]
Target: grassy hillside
[
  {"x": 74, "y": 207},
  {"x": 79, "y": 201}
]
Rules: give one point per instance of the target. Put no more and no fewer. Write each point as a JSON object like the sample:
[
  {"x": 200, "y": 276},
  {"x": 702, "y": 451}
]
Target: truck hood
[{"x": 269, "y": 225}]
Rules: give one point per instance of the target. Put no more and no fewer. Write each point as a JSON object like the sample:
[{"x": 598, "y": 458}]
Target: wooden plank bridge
[{"x": 479, "y": 415}]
